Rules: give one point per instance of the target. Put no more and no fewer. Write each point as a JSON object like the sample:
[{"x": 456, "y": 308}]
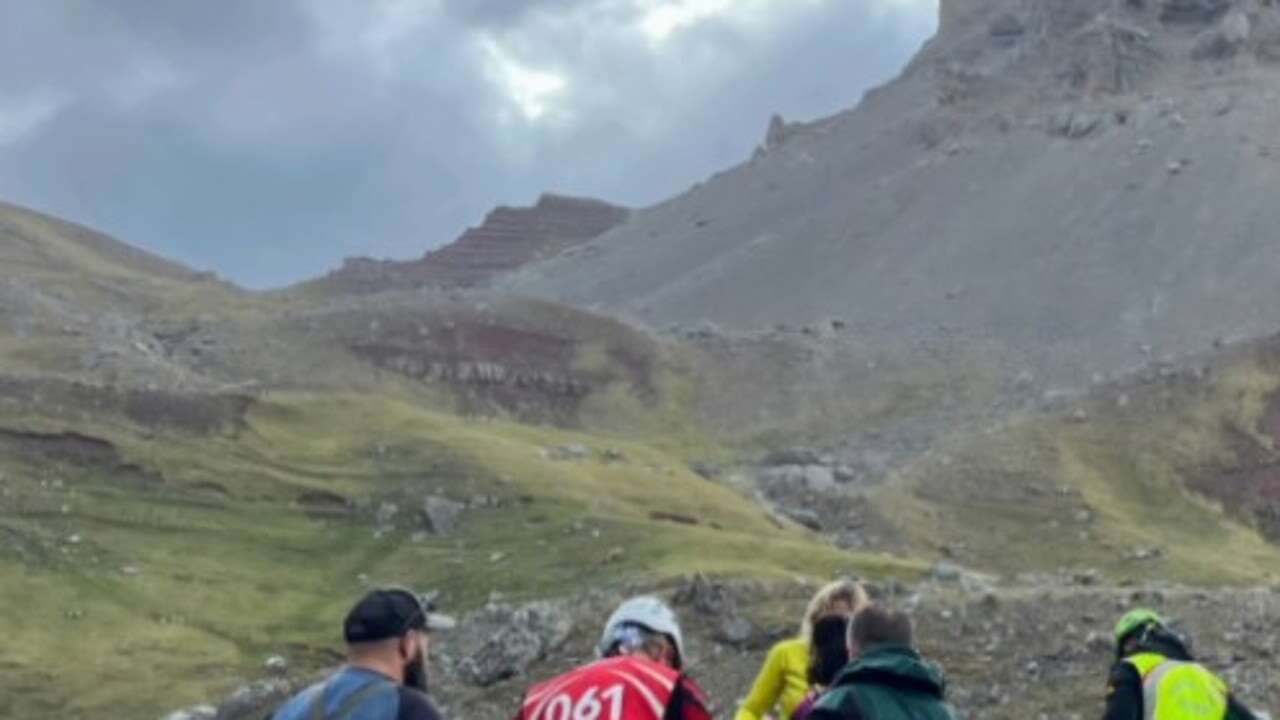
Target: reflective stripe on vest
[{"x": 1174, "y": 690}]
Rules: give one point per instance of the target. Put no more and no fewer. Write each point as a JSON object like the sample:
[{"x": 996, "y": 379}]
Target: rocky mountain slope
[
  {"x": 1034, "y": 647},
  {"x": 1068, "y": 189},
  {"x": 508, "y": 239}
]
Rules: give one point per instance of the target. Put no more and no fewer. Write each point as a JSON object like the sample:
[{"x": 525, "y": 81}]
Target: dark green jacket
[{"x": 887, "y": 682}]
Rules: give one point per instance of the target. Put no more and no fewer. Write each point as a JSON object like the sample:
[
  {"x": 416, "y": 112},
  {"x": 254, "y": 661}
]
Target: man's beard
[{"x": 415, "y": 673}]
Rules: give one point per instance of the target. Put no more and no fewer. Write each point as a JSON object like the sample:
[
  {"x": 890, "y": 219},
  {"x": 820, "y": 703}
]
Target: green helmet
[{"x": 1135, "y": 620}]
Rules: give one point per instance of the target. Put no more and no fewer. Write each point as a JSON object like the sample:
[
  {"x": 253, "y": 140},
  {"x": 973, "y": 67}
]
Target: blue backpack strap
[{"x": 348, "y": 707}]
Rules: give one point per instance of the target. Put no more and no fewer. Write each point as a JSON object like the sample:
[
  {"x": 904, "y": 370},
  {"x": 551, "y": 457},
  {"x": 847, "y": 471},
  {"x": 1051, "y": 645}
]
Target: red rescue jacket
[{"x": 619, "y": 688}]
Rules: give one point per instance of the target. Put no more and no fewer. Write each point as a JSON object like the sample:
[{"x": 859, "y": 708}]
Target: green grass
[
  {"x": 1009, "y": 500},
  {"x": 226, "y": 579}
]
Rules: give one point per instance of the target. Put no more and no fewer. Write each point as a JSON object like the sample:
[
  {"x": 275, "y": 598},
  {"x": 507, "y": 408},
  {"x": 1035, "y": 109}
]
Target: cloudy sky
[{"x": 268, "y": 139}]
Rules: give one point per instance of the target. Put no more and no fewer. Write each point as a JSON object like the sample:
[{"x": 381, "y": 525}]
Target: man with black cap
[{"x": 385, "y": 677}]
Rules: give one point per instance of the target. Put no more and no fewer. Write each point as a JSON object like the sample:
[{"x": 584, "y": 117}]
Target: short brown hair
[{"x": 875, "y": 625}]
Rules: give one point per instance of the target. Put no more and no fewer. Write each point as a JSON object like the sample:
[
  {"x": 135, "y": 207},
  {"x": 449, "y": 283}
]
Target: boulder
[
  {"x": 779, "y": 132},
  {"x": 254, "y": 698},
  {"x": 946, "y": 572},
  {"x": 386, "y": 515},
  {"x": 735, "y": 631},
  {"x": 571, "y": 452},
  {"x": 1192, "y": 11},
  {"x": 440, "y": 514},
  {"x": 499, "y": 642},
  {"x": 277, "y": 665},
  {"x": 705, "y": 596},
  {"x": 1074, "y": 124},
  {"x": 1226, "y": 39},
  {"x": 819, "y": 478},
  {"x": 1007, "y": 29},
  {"x": 804, "y": 516},
  {"x": 706, "y": 470},
  {"x": 792, "y": 456}
]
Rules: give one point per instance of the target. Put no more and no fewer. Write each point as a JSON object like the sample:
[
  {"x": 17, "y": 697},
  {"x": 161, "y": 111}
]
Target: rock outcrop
[{"x": 509, "y": 238}]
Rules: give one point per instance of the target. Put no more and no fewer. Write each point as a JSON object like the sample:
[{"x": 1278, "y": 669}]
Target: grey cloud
[{"x": 269, "y": 140}]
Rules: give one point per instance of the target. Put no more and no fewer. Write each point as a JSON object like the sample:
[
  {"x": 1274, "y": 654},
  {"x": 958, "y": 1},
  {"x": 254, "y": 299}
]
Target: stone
[
  {"x": 1086, "y": 578},
  {"x": 1192, "y": 11},
  {"x": 1097, "y": 642},
  {"x": 735, "y": 631},
  {"x": 571, "y": 452},
  {"x": 706, "y": 471},
  {"x": 778, "y": 133},
  {"x": 819, "y": 478},
  {"x": 277, "y": 665},
  {"x": 946, "y": 572},
  {"x": 1024, "y": 381},
  {"x": 792, "y": 456},
  {"x": 1143, "y": 554},
  {"x": 1007, "y": 29},
  {"x": 705, "y": 596},
  {"x": 804, "y": 516},
  {"x": 1074, "y": 124},
  {"x": 387, "y": 513},
  {"x": 254, "y": 698},
  {"x": 1225, "y": 40},
  {"x": 196, "y": 712},
  {"x": 1237, "y": 27},
  {"x": 440, "y": 514},
  {"x": 500, "y": 642}
]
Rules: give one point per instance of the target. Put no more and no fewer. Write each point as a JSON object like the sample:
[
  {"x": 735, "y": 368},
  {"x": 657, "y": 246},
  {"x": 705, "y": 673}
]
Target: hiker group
[{"x": 852, "y": 660}]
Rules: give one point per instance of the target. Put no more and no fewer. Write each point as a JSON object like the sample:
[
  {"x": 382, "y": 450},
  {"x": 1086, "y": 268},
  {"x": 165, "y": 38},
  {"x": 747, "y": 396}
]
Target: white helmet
[{"x": 648, "y": 612}]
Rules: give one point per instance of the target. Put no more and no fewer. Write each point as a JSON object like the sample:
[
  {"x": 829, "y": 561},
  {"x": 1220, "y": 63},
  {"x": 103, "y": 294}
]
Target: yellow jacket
[{"x": 783, "y": 682}]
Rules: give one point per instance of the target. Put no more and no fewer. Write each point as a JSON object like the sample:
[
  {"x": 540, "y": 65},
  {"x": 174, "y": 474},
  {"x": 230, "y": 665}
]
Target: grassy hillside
[
  {"x": 128, "y": 598},
  {"x": 1133, "y": 482},
  {"x": 194, "y": 478}
]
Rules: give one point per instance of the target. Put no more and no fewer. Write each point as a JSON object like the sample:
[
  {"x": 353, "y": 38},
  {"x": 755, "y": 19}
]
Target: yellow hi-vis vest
[{"x": 1174, "y": 690}]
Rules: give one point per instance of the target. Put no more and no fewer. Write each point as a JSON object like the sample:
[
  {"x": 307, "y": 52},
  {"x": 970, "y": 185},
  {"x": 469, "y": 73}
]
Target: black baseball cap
[{"x": 389, "y": 613}]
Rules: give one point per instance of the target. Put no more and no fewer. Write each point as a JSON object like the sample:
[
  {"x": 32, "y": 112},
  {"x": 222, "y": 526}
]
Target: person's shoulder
[
  {"x": 790, "y": 649},
  {"x": 296, "y": 706},
  {"x": 795, "y": 644},
  {"x": 415, "y": 705},
  {"x": 1123, "y": 671},
  {"x": 692, "y": 689},
  {"x": 836, "y": 704}
]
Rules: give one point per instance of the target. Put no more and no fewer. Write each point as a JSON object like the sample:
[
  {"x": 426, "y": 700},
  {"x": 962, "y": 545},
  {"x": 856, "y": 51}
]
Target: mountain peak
[{"x": 1101, "y": 47}]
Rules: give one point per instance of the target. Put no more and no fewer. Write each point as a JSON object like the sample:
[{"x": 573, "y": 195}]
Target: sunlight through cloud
[{"x": 533, "y": 92}]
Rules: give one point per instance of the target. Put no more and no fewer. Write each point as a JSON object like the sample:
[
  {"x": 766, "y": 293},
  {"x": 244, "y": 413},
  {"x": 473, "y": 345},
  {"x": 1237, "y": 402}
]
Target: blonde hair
[{"x": 844, "y": 590}]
